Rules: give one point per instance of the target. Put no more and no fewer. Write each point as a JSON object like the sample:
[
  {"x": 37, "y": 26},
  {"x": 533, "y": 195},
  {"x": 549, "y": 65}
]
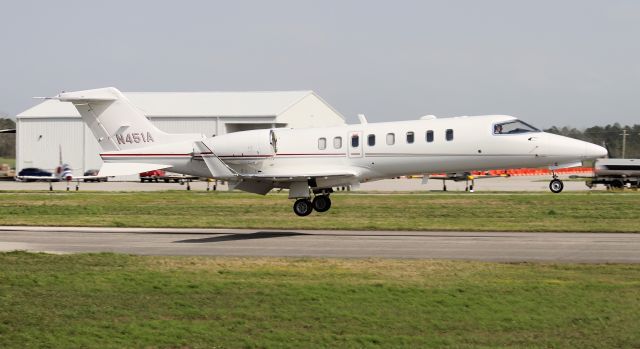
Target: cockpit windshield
[{"x": 513, "y": 127}]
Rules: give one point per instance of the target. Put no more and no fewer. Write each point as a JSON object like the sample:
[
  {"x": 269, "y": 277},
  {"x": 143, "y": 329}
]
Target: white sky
[{"x": 558, "y": 63}]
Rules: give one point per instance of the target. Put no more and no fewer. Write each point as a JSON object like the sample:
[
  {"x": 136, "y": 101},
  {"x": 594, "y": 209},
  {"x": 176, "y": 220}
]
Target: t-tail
[
  {"x": 125, "y": 135},
  {"x": 116, "y": 123}
]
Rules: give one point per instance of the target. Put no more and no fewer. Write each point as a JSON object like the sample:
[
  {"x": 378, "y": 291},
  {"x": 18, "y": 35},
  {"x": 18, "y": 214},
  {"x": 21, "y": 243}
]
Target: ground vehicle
[
  {"x": 152, "y": 176},
  {"x": 615, "y": 173},
  {"x": 160, "y": 175},
  {"x": 34, "y": 172},
  {"x": 94, "y": 172}
]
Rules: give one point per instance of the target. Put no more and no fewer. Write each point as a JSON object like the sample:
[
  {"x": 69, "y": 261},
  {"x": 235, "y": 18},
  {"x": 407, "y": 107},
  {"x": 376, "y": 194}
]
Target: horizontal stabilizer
[
  {"x": 96, "y": 95},
  {"x": 124, "y": 169}
]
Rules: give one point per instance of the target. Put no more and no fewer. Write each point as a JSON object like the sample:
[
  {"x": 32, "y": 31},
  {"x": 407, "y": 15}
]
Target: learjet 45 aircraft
[{"x": 310, "y": 162}]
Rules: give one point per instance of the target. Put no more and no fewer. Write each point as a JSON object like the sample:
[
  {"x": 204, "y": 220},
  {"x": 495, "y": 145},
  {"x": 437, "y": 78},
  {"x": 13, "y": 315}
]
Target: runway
[{"x": 484, "y": 246}]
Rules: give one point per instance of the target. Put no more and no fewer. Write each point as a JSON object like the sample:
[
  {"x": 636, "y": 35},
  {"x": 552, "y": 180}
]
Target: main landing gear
[
  {"x": 556, "y": 185},
  {"x": 304, "y": 207}
]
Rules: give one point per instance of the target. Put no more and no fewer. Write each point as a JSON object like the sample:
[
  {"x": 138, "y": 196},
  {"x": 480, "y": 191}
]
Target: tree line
[
  {"x": 609, "y": 136},
  {"x": 7, "y": 140}
]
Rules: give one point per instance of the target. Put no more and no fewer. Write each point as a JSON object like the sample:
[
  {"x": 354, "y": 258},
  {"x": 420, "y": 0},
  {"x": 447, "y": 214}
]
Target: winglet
[{"x": 216, "y": 166}]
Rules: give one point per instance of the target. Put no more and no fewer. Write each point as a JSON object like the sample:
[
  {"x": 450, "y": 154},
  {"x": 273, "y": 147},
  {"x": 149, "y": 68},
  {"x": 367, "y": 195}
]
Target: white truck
[{"x": 615, "y": 173}]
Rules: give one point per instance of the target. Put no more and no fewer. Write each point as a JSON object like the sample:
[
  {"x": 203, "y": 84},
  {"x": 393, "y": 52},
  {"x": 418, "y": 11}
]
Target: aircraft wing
[
  {"x": 297, "y": 175},
  {"x": 55, "y": 179},
  {"x": 80, "y": 178},
  {"x": 263, "y": 183},
  {"x": 39, "y": 178},
  {"x": 220, "y": 170},
  {"x": 463, "y": 176},
  {"x": 217, "y": 167}
]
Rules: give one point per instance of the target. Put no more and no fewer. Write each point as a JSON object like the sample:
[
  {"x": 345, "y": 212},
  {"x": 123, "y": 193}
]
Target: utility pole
[{"x": 624, "y": 135}]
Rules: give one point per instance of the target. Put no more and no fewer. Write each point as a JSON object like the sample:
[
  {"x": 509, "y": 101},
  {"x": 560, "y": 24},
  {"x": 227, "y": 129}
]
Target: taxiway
[{"x": 481, "y": 246}]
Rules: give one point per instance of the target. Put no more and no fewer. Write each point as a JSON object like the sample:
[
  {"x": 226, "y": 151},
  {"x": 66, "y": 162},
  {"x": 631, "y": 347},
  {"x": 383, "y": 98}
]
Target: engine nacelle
[{"x": 254, "y": 144}]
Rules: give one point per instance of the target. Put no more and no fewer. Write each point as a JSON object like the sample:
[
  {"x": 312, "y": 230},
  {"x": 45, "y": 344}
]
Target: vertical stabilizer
[{"x": 116, "y": 123}]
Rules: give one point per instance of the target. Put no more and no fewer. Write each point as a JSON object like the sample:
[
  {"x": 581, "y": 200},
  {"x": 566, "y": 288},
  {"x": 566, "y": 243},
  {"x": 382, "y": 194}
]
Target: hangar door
[{"x": 231, "y": 127}]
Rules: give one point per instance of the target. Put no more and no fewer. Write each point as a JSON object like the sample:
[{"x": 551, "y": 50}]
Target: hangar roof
[{"x": 185, "y": 104}]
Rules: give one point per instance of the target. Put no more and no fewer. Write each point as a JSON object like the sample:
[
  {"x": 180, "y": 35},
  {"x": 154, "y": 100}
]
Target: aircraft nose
[{"x": 593, "y": 151}]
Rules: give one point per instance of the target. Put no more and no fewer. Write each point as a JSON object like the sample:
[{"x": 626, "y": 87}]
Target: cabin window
[
  {"x": 391, "y": 138},
  {"x": 371, "y": 140},
  {"x": 410, "y": 137},
  {"x": 429, "y": 136},
  {"x": 449, "y": 134},
  {"x": 355, "y": 141},
  {"x": 337, "y": 142},
  {"x": 322, "y": 143}
]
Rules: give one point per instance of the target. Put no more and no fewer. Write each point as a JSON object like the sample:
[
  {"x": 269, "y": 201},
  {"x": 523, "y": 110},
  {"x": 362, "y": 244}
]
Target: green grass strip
[{"x": 579, "y": 212}]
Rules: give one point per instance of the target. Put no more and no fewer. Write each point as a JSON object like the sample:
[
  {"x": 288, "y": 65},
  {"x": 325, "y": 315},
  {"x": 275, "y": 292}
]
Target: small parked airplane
[
  {"x": 310, "y": 162},
  {"x": 461, "y": 176},
  {"x": 63, "y": 173}
]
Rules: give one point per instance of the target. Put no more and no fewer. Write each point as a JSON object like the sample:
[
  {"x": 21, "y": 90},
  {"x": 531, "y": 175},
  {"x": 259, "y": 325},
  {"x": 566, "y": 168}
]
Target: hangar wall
[
  {"x": 205, "y": 125},
  {"x": 311, "y": 111}
]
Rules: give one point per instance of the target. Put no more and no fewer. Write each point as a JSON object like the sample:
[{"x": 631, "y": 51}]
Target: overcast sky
[{"x": 548, "y": 62}]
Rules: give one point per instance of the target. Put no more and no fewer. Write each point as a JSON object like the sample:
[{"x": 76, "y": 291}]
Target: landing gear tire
[
  {"x": 302, "y": 207},
  {"x": 556, "y": 186},
  {"x": 617, "y": 184},
  {"x": 321, "y": 203}
]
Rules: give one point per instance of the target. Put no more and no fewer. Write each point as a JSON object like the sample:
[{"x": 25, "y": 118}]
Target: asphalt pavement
[{"x": 480, "y": 246}]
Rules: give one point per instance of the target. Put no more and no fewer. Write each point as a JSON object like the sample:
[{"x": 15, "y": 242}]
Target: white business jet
[{"x": 310, "y": 162}]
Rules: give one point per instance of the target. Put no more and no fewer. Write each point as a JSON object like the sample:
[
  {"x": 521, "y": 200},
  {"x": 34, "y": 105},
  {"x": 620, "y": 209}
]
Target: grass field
[
  {"x": 599, "y": 212},
  {"x": 117, "y": 301}
]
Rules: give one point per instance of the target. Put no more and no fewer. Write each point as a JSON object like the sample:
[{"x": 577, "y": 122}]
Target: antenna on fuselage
[{"x": 363, "y": 119}]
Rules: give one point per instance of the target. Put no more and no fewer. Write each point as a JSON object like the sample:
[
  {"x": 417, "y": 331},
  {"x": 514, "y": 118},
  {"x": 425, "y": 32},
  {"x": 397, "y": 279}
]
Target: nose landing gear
[{"x": 556, "y": 185}]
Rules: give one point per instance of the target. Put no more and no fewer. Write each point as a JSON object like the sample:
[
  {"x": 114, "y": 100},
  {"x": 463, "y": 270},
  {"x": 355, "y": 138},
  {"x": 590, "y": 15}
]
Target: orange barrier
[
  {"x": 530, "y": 172},
  {"x": 544, "y": 171}
]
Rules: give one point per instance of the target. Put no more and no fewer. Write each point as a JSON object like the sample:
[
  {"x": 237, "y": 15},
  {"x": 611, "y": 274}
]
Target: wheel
[
  {"x": 322, "y": 203},
  {"x": 618, "y": 184},
  {"x": 556, "y": 185},
  {"x": 302, "y": 207}
]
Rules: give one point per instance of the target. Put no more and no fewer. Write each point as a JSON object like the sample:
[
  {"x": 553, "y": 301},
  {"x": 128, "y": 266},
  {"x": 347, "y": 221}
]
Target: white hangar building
[{"x": 53, "y": 127}]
